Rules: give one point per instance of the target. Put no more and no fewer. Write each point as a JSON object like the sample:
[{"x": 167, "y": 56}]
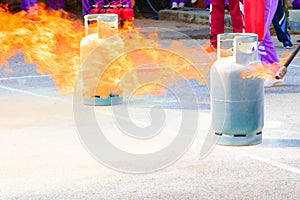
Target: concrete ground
[{"x": 42, "y": 155}]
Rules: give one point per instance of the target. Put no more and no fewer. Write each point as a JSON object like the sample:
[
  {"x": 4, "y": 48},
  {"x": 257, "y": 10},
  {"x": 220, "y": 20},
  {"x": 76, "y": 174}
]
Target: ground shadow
[{"x": 280, "y": 143}]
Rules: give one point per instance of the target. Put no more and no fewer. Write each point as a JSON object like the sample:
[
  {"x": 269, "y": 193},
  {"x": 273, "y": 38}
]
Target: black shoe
[
  {"x": 226, "y": 8},
  {"x": 174, "y": 6},
  {"x": 287, "y": 45}
]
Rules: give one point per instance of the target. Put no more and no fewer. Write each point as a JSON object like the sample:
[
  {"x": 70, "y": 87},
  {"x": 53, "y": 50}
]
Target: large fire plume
[
  {"x": 135, "y": 53},
  {"x": 51, "y": 40}
]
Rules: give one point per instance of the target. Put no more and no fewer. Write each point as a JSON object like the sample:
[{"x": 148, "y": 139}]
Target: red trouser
[{"x": 217, "y": 18}]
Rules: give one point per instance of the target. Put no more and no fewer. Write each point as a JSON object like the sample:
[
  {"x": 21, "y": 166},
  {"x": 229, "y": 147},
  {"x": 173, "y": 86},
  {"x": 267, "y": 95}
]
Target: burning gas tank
[
  {"x": 97, "y": 28},
  {"x": 237, "y": 103}
]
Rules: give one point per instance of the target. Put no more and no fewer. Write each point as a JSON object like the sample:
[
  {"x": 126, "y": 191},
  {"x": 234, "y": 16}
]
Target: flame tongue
[
  {"x": 134, "y": 63},
  {"x": 47, "y": 39},
  {"x": 260, "y": 70},
  {"x": 52, "y": 41}
]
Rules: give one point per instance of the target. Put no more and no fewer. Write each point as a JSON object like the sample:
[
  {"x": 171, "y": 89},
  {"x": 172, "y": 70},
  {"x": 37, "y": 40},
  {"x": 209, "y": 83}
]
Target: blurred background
[{"x": 146, "y": 8}]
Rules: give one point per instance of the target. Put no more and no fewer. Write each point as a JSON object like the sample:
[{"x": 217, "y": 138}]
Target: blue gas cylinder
[
  {"x": 237, "y": 103},
  {"x": 98, "y": 27}
]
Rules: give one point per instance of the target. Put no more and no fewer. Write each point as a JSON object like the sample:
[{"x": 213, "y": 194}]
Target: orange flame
[
  {"x": 52, "y": 41},
  {"x": 144, "y": 59},
  {"x": 262, "y": 70}
]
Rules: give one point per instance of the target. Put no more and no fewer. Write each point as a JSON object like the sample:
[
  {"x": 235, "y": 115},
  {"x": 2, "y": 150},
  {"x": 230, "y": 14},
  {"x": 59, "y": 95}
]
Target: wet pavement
[{"x": 43, "y": 156}]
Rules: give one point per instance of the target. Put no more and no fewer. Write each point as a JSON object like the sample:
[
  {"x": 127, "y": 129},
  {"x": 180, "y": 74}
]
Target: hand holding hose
[{"x": 282, "y": 70}]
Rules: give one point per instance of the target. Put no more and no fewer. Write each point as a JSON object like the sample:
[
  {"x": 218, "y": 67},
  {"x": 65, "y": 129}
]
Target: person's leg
[
  {"x": 101, "y": 3},
  {"x": 128, "y": 2},
  {"x": 216, "y": 20},
  {"x": 207, "y": 4},
  {"x": 60, "y": 4},
  {"x": 266, "y": 48},
  {"x": 280, "y": 26},
  {"x": 182, "y": 3},
  {"x": 236, "y": 16},
  {"x": 242, "y": 8},
  {"x": 26, "y": 4},
  {"x": 113, "y": 2},
  {"x": 86, "y": 5},
  {"x": 52, "y": 4},
  {"x": 296, "y": 4},
  {"x": 174, "y": 4},
  {"x": 226, "y": 6}
]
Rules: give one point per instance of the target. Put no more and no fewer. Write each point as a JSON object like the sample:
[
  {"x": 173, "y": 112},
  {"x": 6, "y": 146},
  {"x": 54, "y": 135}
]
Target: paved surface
[
  {"x": 42, "y": 156},
  {"x": 190, "y": 15}
]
